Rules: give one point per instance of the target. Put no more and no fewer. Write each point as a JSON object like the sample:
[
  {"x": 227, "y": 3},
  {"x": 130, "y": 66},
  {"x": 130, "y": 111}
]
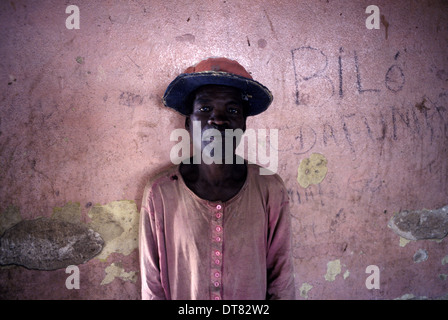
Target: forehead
[{"x": 218, "y": 92}]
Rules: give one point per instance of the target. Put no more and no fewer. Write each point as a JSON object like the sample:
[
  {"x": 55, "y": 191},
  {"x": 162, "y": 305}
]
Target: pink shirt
[{"x": 191, "y": 248}]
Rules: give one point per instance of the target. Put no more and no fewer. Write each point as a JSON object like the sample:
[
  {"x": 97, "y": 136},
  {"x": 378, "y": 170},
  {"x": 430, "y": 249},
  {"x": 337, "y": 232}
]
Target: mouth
[{"x": 211, "y": 134}]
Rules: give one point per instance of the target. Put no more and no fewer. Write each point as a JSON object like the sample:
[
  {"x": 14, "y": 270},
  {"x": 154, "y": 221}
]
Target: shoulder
[
  {"x": 163, "y": 179},
  {"x": 263, "y": 176},
  {"x": 270, "y": 188}
]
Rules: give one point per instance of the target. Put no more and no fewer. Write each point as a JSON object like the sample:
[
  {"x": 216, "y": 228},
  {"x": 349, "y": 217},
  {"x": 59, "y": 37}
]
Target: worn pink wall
[{"x": 82, "y": 121}]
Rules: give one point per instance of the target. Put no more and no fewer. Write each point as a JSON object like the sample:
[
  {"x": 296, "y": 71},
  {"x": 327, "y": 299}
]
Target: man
[{"x": 216, "y": 230}]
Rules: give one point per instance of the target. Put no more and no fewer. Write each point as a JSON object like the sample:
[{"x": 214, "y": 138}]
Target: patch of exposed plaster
[
  {"x": 116, "y": 271},
  {"x": 346, "y": 274},
  {"x": 304, "y": 289},
  {"x": 404, "y": 242},
  {"x": 406, "y": 296},
  {"x": 333, "y": 269},
  {"x": 312, "y": 170},
  {"x": 410, "y": 296},
  {"x": 420, "y": 256},
  {"x": 445, "y": 260},
  {"x": 117, "y": 223}
]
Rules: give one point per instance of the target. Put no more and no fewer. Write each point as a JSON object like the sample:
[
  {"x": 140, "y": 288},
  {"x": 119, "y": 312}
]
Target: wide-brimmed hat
[{"x": 217, "y": 71}]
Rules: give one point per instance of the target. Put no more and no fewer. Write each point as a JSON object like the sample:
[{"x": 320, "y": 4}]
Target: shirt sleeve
[
  {"x": 152, "y": 288},
  {"x": 280, "y": 266}
]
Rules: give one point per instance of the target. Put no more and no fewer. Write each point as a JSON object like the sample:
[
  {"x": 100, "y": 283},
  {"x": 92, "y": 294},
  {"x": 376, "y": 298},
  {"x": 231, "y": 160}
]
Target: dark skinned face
[{"x": 217, "y": 107}]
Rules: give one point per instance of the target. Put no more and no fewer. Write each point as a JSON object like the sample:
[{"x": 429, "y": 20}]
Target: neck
[
  {"x": 217, "y": 174},
  {"x": 214, "y": 181}
]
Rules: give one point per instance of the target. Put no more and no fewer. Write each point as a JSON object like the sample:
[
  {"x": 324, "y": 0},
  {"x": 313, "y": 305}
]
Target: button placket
[{"x": 217, "y": 233}]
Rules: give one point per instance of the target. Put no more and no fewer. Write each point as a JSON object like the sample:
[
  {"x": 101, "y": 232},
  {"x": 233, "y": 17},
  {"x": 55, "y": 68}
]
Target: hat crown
[{"x": 219, "y": 65}]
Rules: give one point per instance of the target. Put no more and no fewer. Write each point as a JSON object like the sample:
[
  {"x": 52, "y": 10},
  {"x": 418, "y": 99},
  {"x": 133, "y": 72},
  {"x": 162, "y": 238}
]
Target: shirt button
[
  {"x": 217, "y": 298},
  {"x": 218, "y": 207},
  {"x": 217, "y": 261},
  {"x": 218, "y": 229},
  {"x": 216, "y": 284},
  {"x": 217, "y": 253},
  {"x": 217, "y": 274},
  {"x": 218, "y": 239},
  {"x": 218, "y": 215}
]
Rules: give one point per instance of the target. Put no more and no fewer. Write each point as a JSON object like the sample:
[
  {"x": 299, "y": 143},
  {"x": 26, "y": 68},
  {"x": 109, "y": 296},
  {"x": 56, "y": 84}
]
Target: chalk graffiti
[
  {"x": 306, "y": 73},
  {"x": 358, "y": 77},
  {"x": 310, "y": 66},
  {"x": 391, "y": 123},
  {"x": 394, "y": 78},
  {"x": 314, "y": 193}
]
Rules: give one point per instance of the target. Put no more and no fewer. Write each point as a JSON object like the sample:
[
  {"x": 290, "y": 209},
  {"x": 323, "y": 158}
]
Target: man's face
[{"x": 217, "y": 107}]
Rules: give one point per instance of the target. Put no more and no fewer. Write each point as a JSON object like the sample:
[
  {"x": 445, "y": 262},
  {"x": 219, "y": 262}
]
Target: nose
[{"x": 218, "y": 119}]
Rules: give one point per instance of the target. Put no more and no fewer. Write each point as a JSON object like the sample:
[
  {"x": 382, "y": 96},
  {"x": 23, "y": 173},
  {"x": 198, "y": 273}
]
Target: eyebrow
[
  {"x": 230, "y": 102},
  {"x": 202, "y": 100}
]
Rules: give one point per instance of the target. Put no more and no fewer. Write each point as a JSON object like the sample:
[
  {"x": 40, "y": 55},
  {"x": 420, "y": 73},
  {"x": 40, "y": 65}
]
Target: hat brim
[{"x": 258, "y": 96}]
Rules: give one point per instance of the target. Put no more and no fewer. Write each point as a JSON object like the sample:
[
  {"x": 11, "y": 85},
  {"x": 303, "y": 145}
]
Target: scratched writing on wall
[
  {"x": 310, "y": 66},
  {"x": 361, "y": 131},
  {"x": 388, "y": 121}
]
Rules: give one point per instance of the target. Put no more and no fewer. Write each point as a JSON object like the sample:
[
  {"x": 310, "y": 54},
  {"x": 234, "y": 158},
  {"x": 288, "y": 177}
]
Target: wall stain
[
  {"x": 421, "y": 106},
  {"x": 385, "y": 24}
]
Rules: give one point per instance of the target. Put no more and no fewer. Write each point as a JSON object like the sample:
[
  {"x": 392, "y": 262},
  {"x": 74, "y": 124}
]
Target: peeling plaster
[
  {"x": 116, "y": 271},
  {"x": 304, "y": 289},
  {"x": 410, "y": 296},
  {"x": 420, "y": 256},
  {"x": 312, "y": 170},
  {"x": 404, "y": 242},
  {"x": 445, "y": 260},
  {"x": 49, "y": 244},
  {"x": 421, "y": 224},
  {"x": 117, "y": 223},
  {"x": 406, "y": 296},
  {"x": 333, "y": 269}
]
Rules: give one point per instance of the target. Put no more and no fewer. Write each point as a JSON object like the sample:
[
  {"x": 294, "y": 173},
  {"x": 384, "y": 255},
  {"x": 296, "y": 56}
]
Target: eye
[
  {"x": 233, "y": 110},
  {"x": 204, "y": 109}
]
